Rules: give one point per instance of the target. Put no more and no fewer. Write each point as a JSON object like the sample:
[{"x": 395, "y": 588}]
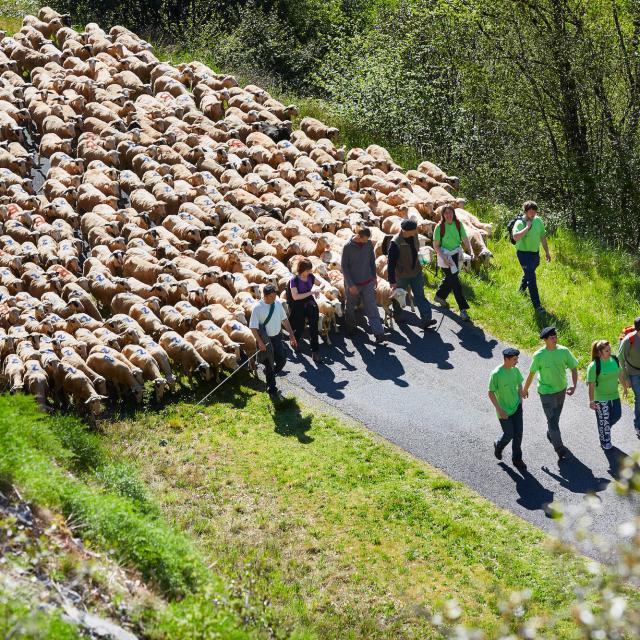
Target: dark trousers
[
  {"x": 552, "y": 404},
  {"x": 512, "y": 432},
  {"x": 529, "y": 261},
  {"x": 417, "y": 288},
  {"x": 607, "y": 414},
  {"x": 300, "y": 313},
  {"x": 451, "y": 282},
  {"x": 279, "y": 358}
]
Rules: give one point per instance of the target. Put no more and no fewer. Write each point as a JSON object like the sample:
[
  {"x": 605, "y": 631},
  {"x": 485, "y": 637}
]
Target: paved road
[{"x": 428, "y": 394}]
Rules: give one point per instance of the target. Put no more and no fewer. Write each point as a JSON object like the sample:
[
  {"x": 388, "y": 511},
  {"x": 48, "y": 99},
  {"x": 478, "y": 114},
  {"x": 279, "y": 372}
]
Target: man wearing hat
[
  {"x": 267, "y": 317},
  {"x": 551, "y": 363},
  {"x": 505, "y": 394},
  {"x": 404, "y": 270}
]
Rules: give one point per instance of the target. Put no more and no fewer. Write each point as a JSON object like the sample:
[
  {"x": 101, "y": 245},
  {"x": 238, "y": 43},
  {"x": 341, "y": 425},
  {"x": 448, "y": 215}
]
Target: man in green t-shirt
[
  {"x": 529, "y": 233},
  {"x": 551, "y": 363},
  {"x": 505, "y": 393}
]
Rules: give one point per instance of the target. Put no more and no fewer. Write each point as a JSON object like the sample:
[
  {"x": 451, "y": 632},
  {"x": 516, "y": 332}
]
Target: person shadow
[
  {"x": 615, "y": 458},
  {"x": 380, "y": 362},
  {"x": 473, "y": 338},
  {"x": 424, "y": 346},
  {"x": 289, "y": 421},
  {"x": 322, "y": 378},
  {"x": 576, "y": 477},
  {"x": 533, "y": 496}
]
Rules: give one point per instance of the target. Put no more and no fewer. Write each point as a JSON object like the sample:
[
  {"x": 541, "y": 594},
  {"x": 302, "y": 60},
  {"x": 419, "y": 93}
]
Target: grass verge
[{"x": 342, "y": 534}]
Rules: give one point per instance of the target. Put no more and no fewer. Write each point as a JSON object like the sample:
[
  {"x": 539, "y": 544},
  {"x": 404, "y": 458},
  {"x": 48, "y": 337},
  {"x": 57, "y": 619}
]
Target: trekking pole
[{"x": 228, "y": 377}]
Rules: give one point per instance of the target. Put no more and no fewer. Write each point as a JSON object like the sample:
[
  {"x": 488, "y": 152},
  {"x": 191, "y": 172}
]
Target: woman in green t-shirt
[
  {"x": 448, "y": 238},
  {"x": 603, "y": 375}
]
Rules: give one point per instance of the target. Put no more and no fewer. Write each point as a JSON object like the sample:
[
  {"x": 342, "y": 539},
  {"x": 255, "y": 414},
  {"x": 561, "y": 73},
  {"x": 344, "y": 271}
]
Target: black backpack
[
  {"x": 287, "y": 291},
  {"x": 599, "y": 366},
  {"x": 511, "y": 224}
]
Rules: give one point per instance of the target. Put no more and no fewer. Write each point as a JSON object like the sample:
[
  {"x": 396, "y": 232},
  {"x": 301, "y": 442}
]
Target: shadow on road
[
  {"x": 576, "y": 477},
  {"x": 289, "y": 421},
  {"x": 615, "y": 457},
  {"x": 473, "y": 338},
  {"x": 531, "y": 494},
  {"x": 380, "y": 362},
  {"x": 424, "y": 346},
  {"x": 322, "y": 378}
]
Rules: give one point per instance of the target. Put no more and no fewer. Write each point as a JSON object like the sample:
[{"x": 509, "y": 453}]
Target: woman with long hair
[
  {"x": 448, "y": 238},
  {"x": 603, "y": 375}
]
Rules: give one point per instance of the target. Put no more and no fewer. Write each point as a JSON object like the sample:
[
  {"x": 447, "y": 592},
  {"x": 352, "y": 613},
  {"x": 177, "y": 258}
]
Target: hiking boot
[
  {"x": 464, "y": 315},
  {"x": 519, "y": 464},
  {"x": 380, "y": 339},
  {"x": 441, "y": 302},
  {"x": 497, "y": 452},
  {"x": 428, "y": 324}
]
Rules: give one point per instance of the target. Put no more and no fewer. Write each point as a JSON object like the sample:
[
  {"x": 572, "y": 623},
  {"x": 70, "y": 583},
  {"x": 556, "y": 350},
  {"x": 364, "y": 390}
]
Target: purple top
[{"x": 303, "y": 286}]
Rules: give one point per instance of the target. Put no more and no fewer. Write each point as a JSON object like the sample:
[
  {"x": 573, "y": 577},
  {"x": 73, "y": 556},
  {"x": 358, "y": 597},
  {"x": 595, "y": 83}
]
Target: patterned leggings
[{"x": 607, "y": 414}]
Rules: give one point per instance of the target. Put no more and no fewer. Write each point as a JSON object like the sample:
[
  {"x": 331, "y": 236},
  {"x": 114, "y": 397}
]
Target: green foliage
[{"x": 20, "y": 621}]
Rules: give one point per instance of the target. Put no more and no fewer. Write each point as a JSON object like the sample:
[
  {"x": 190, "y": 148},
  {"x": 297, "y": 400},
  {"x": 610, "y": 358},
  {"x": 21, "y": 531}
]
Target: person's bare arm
[
  {"x": 518, "y": 235},
  {"x": 574, "y": 382},
  {"x": 545, "y": 246},
  {"x": 292, "y": 338},
  {"x": 592, "y": 402},
  {"x": 494, "y": 401},
  {"x": 527, "y": 384},
  {"x": 261, "y": 345},
  {"x": 300, "y": 296}
]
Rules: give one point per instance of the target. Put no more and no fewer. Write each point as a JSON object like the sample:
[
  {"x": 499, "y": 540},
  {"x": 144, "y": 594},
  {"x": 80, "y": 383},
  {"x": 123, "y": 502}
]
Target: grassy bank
[
  {"x": 342, "y": 534},
  {"x": 245, "y": 522}
]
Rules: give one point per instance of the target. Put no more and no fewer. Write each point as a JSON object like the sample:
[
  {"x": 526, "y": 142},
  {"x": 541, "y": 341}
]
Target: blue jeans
[
  {"x": 607, "y": 414},
  {"x": 417, "y": 288},
  {"x": 529, "y": 261},
  {"x": 512, "y": 431},
  {"x": 635, "y": 385}
]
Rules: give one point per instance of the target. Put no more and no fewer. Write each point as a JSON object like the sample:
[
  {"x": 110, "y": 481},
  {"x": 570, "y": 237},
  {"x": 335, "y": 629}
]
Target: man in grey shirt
[
  {"x": 360, "y": 280},
  {"x": 629, "y": 356}
]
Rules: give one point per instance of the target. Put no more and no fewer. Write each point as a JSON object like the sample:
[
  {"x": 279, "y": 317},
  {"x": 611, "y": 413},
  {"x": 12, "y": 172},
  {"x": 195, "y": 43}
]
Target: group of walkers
[
  {"x": 605, "y": 374},
  {"x": 507, "y": 386}
]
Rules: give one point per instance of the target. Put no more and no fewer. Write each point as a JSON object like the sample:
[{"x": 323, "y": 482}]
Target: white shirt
[{"x": 261, "y": 311}]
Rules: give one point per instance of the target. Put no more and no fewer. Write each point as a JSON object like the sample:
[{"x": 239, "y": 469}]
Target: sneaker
[
  {"x": 380, "y": 339},
  {"x": 519, "y": 464},
  {"x": 541, "y": 310},
  {"x": 607, "y": 446},
  {"x": 563, "y": 454},
  {"x": 464, "y": 315},
  {"x": 316, "y": 357},
  {"x": 428, "y": 324},
  {"x": 441, "y": 302},
  {"x": 497, "y": 452},
  {"x": 276, "y": 396},
  {"x": 638, "y": 434}
]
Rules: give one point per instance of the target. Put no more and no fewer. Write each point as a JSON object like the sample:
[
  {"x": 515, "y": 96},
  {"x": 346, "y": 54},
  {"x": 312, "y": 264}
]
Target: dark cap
[
  {"x": 547, "y": 332},
  {"x": 636, "y": 324},
  {"x": 510, "y": 352},
  {"x": 408, "y": 225},
  {"x": 268, "y": 289}
]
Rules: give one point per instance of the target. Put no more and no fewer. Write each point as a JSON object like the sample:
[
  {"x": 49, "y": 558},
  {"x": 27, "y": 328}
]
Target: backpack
[
  {"x": 625, "y": 332},
  {"x": 287, "y": 291},
  {"x": 443, "y": 227},
  {"x": 599, "y": 366},
  {"x": 511, "y": 224}
]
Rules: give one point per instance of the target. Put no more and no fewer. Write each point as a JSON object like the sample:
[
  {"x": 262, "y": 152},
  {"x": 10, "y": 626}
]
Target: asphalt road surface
[{"x": 427, "y": 393}]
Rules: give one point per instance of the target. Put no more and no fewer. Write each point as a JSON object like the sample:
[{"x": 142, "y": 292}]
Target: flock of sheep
[{"x": 171, "y": 195}]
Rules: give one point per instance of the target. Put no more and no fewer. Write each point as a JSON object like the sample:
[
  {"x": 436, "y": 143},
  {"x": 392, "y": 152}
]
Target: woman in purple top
[{"x": 303, "y": 306}]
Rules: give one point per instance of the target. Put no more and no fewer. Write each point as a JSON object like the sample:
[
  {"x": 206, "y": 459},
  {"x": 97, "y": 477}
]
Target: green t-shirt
[
  {"x": 531, "y": 240},
  {"x": 452, "y": 237},
  {"x": 552, "y": 366},
  {"x": 504, "y": 383},
  {"x": 607, "y": 387}
]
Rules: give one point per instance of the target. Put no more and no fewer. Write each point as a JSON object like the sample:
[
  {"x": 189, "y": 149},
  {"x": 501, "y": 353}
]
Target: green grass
[
  {"x": 255, "y": 523},
  {"x": 19, "y": 620},
  {"x": 341, "y": 533}
]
